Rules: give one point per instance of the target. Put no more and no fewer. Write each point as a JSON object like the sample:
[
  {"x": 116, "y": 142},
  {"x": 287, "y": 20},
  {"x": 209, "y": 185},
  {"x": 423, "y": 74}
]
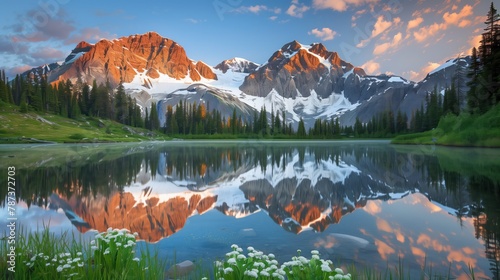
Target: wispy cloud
[
  {"x": 340, "y": 5},
  {"x": 297, "y": 9},
  {"x": 460, "y": 19},
  {"x": 419, "y": 75},
  {"x": 89, "y": 34},
  {"x": 325, "y": 33},
  {"x": 257, "y": 9},
  {"x": 382, "y": 48},
  {"x": 371, "y": 67},
  {"x": 380, "y": 26},
  {"x": 414, "y": 23},
  {"x": 195, "y": 21}
]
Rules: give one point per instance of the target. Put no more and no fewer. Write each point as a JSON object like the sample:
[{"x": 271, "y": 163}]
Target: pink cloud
[
  {"x": 414, "y": 23},
  {"x": 382, "y": 48},
  {"x": 428, "y": 31},
  {"x": 325, "y": 33},
  {"x": 378, "y": 28},
  {"x": 340, "y": 5},
  {"x": 371, "y": 67},
  {"x": 458, "y": 18},
  {"x": 90, "y": 34},
  {"x": 297, "y": 10}
]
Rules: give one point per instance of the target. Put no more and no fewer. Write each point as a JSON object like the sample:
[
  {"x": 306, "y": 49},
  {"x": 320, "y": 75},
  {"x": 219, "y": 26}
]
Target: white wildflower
[
  {"x": 339, "y": 270},
  {"x": 326, "y": 268},
  {"x": 264, "y": 273},
  {"x": 136, "y": 259},
  {"x": 271, "y": 256},
  {"x": 231, "y": 261},
  {"x": 251, "y": 249},
  {"x": 303, "y": 260},
  {"x": 279, "y": 276},
  {"x": 251, "y": 273},
  {"x": 338, "y": 276},
  {"x": 59, "y": 268},
  {"x": 314, "y": 252},
  {"x": 228, "y": 270}
]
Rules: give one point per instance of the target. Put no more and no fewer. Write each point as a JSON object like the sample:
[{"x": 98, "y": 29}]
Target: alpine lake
[{"x": 362, "y": 203}]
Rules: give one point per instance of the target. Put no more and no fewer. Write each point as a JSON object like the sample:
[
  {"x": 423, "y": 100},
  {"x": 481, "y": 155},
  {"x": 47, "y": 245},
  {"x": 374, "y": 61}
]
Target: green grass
[
  {"x": 34, "y": 127},
  {"x": 111, "y": 255},
  {"x": 464, "y": 131}
]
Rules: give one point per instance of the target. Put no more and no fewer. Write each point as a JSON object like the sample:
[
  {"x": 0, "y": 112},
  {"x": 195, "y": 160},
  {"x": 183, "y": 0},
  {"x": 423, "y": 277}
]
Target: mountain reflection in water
[{"x": 358, "y": 202}]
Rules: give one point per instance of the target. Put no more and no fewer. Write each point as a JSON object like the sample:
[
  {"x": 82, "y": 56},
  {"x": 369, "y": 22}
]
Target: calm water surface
[{"x": 365, "y": 203}]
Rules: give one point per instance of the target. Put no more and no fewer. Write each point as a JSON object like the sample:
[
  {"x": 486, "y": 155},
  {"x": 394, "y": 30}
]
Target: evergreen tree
[
  {"x": 301, "y": 130},
  {"x": 473, "y": 75},
  {"x": 358, "y": 127},
  {"x": 277, "y": 123},
  {"x": 154, "y": 121},
  {"x": 233, "y": 122},
  {"x": 102, "y": 102},
  {"x": 147, "y": 122},
  {"x": 92, "y": 107},
  {"x": 121, "y": 106}
]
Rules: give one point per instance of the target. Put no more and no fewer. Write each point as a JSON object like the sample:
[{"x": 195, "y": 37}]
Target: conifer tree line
[
  {"x": 484, "y": 73},
  {"x": 34, "y": 93}
]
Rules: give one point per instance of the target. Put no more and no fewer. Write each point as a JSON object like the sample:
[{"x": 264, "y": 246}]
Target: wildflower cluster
[
  {"x": 257, "y": 265},
  {"x": 252, "y": 266},
  {"x": 65, "y": 264},
  {"x": 110, "y": 255},
  {"x": 315, "y": 268},
  {"x": 114, "y": 248}
]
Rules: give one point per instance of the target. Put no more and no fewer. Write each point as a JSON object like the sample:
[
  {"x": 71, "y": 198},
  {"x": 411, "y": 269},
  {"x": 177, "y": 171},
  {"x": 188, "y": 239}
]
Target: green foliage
[
  {"x": 463, "y": 130},
  {"x": 110, "y": 255},
  {"x": 484, "y": 72}
]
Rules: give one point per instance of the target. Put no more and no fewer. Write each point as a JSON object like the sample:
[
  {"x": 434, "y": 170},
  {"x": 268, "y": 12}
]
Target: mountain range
[{"x": 306, "y": 82}]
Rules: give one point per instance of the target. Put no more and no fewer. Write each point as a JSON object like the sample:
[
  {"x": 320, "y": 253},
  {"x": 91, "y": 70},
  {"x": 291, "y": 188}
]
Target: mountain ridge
[{"x": 306, "y": 82}]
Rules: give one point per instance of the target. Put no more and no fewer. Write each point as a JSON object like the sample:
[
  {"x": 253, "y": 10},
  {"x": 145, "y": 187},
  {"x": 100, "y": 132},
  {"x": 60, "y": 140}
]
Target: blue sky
[{"x": 402, "y": 37}]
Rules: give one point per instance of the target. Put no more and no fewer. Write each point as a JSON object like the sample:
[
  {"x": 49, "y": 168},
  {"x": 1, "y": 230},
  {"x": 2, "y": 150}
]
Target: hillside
[
  {"x": 464, "y": 130},
  {"x": 16, "y": 127}
]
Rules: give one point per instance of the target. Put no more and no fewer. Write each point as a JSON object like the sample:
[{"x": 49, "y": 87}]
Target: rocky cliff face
[
  {"x": 238, "y": 65},
  {"x": 122, "y": 59},
  {"x": 151, "y": 219},
  {"x": 297, "y": 69}
]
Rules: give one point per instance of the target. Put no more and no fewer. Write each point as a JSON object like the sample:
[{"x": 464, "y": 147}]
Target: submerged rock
[{"x": 180, "y": 269}]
